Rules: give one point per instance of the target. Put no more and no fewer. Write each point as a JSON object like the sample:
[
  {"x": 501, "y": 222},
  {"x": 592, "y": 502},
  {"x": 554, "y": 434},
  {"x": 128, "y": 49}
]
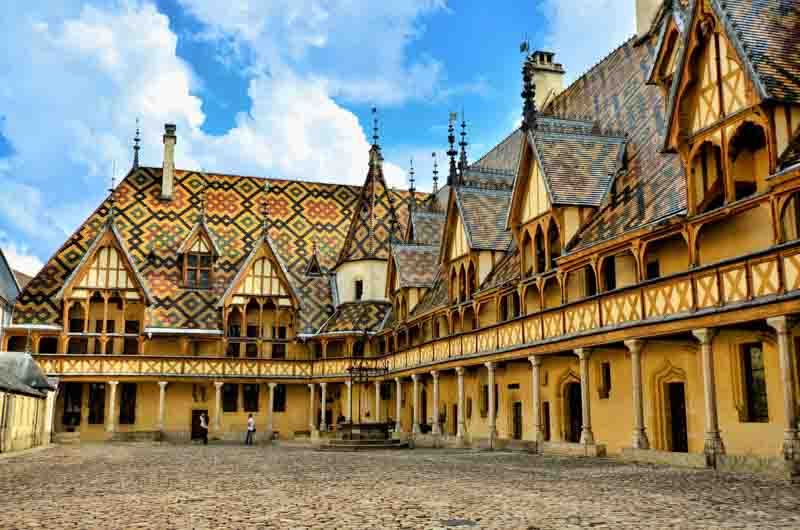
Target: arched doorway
[
  {"x": 423, "y": 410},
  {"x": 573, "y": 412}
]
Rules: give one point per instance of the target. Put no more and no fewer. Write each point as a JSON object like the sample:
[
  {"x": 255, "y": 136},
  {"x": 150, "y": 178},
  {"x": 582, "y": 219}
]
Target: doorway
[
  {"x": 572, "y": 399},
  {"x": 197, "y": 432},
  {"x": 454, "y": 421},
  {"x": 73, "y": 402},
  {"x": 517, "y": 415},
  {"x": 423, "y": 410},
  {"x": 676, "y": 418}
]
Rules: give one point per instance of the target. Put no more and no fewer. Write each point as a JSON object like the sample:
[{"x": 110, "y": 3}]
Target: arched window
[
  {"x": 358, "y": 348},
  {"x": 749, "y": 159},
  {"x": 358, "y": 289},
  {"x": 471, "y": 280},
  {"x": 708, "y": 178},
  {"x": 541, "y": 256},
  {"x": 554, "y": 243},
  {"x": 527, "y": 254}
]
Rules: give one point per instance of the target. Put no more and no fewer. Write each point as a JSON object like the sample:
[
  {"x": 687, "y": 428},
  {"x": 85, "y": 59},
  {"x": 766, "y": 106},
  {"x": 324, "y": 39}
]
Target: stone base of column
[
  {"x": 416, "y": 429},
  {"x": 587, "y": 437},
  {"x": 397, "y": 427},
  {"x": 640, "y": 440},
  {"x": 712, "y": 447},
  {"x": 437, "y": 429},
  {"x": 791, "y": 448}
]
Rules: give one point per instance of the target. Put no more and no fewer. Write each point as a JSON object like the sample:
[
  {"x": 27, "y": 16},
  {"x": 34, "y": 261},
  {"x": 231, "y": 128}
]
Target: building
[
  {"x": 619, "y": 275},
  {"x": 9, "y": 290}
]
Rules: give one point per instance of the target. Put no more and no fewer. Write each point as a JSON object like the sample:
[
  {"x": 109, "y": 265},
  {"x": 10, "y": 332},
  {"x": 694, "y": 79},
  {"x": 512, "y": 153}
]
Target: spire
[
  {"x": 462, "y": 163},
  {"x": 411, "y": 190},
  {"x": 375, "y": 156},
  {"x": 112, "y": 199},
  {"x": 136, "y": 147},
  {"x": 265, "y": 212},
  {"x": 451, "y": 139},
  {"x": 528, "y": 95},
  {"x": 435, "y": 174}
]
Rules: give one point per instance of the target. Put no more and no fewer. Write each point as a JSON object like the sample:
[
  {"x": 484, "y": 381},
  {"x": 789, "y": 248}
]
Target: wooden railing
[{"x": 755, "y": 279}]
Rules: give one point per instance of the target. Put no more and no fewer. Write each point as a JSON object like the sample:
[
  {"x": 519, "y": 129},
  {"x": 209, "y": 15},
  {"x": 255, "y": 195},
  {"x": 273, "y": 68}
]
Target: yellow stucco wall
[
  {"x": 372, "y": 272},
  {"x": 23, "y": 422}
]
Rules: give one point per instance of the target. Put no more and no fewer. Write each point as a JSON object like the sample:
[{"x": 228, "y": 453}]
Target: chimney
[
  {"x": 548, "y": 76},
  {"x": 168, "y": 173},
  {"x": 646, "y": 10}
]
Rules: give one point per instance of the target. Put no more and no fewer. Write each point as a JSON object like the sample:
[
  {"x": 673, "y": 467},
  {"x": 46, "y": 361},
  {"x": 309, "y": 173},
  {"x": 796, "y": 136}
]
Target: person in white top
[
  {"x": 251, "y": 428},
  {"x": 204, "y": 428}
]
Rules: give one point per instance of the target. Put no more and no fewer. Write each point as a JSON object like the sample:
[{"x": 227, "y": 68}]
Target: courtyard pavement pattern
[{"x": 229, "y": 486}]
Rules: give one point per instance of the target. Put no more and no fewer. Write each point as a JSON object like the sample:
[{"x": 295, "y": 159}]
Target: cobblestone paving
[{"x": 225, "y": 486}]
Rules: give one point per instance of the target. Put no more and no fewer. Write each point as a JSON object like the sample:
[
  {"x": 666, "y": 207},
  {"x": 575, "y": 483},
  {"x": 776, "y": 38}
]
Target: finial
[
  {"x": 451, "y": 139},
  {"x": 435, "y": 173},
  {"x": 112, "y": 199},
  {"x": 528, "y": 96},
  {"x": 411, "y": 190},
  {"x": 375, "y": 135},
  {"x": 136, "y": 147},
  {"x": 462, "y": 163},
  {"x": 265, "y": 210}
]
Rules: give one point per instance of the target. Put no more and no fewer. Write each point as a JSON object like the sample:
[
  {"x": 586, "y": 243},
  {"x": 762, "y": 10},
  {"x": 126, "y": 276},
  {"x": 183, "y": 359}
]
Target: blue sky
[{"x": 278, "y": 88}]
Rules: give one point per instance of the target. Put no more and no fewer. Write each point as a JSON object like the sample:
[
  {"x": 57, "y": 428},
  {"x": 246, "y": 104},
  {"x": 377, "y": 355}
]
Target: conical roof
[{"x": 374, "y": 220}]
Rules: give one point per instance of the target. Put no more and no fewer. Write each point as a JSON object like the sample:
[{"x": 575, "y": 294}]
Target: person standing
[
  {"x": 251, "y": 428},
  {"x": 204, "y": 427}
]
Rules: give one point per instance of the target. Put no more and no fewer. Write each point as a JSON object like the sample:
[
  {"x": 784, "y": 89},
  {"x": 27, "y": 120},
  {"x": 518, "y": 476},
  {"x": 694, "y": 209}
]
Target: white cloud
[
  {"x": 601, "y": 24},
  {"x": 19, "y": 257}
]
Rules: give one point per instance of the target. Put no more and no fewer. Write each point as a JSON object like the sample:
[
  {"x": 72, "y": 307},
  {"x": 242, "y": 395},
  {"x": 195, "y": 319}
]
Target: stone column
[
  {"x": 348, "y": 411},
  {"x": 437, "y": 429},
  {"x": 111, "y": 419},
  {"x": 216, "y": 423},
  {"x": 415, "y": 421},
  {"x": 492, "y": 411},
  {"x": 536, "y": 398},
  {"x": 461, "y": 421},
  {"x": 50, "y": 414},
  {"x": 640, "y": 440},
  {"x": 162, "y": 402},
  {"x": 587, "y": 437},
  {"x": 312, "y": 419},
  {"x": 270, "y": 412},
  {"x": 377, "y": 401},
  {"x": 323, "y": 426},
  {"x": 713, "y": 441},
  {"x": 791, "y": 442},
  {"x": 398, "y": 405}
]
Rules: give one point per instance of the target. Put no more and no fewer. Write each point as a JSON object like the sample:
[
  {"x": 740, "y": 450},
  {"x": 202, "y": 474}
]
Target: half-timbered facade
[{"x": 620, "y": 274}]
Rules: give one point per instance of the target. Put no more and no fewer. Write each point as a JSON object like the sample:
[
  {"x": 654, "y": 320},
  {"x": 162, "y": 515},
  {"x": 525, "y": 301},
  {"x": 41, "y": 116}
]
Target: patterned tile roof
[
  {"x": 428, "y": 227},
  {"x": 301, "y": 213},
  {"x": 578, "y": 162},
  {"x": 361, "y": 316},
  {"x": 436, "y": 297},
  {"x": 505, "y": 272},
  {"x": 484, "y": 213},
  {"x": 791, "y": 155},
  {"x": 416, "y": 265},
  {"x": 614, "y": 94},
  {"x": 767, "y": 33},
  {"x": 504, "y": 156},
  {"x": 374, "y": 218}
]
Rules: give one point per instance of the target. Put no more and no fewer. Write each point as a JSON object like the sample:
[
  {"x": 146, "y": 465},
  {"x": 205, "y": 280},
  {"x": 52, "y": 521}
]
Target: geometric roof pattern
[
  {"x": 374, "y": 219},
  {"x": 614, "y": 95},
  {"x": 301, "y": 214},
  {"x": 362, "y": 316},
  {"x": 483, "y": 211},
  {"x": 416, "y": 265},
  {"x": 578, "y": 161},
  {"x": 427, "y": 228},
  {"x": 504, "y": 156}
]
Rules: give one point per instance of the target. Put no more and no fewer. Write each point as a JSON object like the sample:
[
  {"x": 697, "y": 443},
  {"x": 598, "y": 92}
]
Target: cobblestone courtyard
[{"x": 166, "y": 486}]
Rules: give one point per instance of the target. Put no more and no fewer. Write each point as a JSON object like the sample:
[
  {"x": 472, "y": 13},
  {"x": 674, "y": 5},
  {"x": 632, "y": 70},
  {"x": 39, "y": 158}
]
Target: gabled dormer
[{"x": 197, "y": 253}]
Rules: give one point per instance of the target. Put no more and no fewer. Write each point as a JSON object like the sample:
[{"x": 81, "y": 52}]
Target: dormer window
[
  {"x": 359, "y": 289},
  {"x": 197, "y": 270}
]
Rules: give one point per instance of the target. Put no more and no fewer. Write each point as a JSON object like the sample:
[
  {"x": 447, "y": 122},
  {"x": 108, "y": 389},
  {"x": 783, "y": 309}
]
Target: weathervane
[
  {"x": 136, "y": 147},
  {"x": 451, "y": 139},
  {"x": 435, "y": 173}
]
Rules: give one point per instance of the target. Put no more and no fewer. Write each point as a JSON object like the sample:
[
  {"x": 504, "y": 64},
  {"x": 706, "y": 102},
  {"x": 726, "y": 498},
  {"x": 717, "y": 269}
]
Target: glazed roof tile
[
  {"x": 428, "y": 227},
  {"x": 301, "y": 213},
  {"x": 365, "y": 316},
  {"x": 484, "y": 214},
  {"x": 416, "y": 265},
  {"x": 504, "y": 156},
  {"x": 435, "y": 297}
]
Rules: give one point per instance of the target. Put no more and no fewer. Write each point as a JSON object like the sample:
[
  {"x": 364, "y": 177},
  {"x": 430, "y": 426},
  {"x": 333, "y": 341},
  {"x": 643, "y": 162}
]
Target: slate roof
[
  {"x": 416, "y": 265},
  {"x": 301, "y": 213},
  {"x": 9, "y": 288},
  {"x": 791, "y": 155},
  {"x": 374, "y": 219},
  {"x": 505, "y": 272},
  {"x": 614, "y": 95},
  {"x": 484, "y": 214},
  {"x": 19, "y": 374},
  {"x": 428, "y": 227},
  {"x": 360, "y": 316},
  {"x": 768, "y": 32},
  {"x": 577, "y": 159}
]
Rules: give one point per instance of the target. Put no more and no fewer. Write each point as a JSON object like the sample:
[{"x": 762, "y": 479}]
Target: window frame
[{"x": 198, "y": 268}]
